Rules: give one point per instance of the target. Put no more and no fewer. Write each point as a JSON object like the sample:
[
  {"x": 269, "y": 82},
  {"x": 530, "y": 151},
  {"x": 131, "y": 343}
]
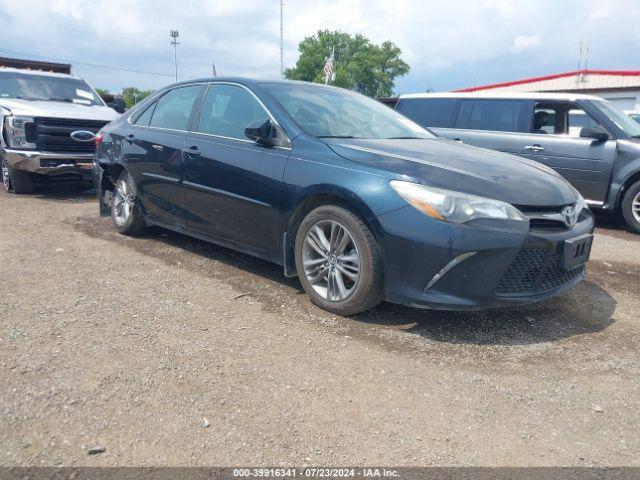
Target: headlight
[
  {"x": 16, "y": 131},
  {"x": 452, "y": 206}
]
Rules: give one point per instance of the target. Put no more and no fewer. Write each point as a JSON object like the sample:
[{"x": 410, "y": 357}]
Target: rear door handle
[
  {"x": 534, "y": 148},
  {"x": 192, "y": 151}
]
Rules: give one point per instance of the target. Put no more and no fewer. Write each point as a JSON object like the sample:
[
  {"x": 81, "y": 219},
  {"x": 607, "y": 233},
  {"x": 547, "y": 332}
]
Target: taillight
[{"x": 99, "y": 138}]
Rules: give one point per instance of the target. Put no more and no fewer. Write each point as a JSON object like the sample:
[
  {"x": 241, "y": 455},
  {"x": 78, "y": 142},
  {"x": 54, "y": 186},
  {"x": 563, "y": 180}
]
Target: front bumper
[
  {"x": 511, "y": 264},
  {"x": 50, "y": 163}
]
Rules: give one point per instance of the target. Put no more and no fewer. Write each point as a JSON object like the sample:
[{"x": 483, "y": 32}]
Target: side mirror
[
  {"x": 266, "y": 133},
  {"x": 597, "y": 133}
]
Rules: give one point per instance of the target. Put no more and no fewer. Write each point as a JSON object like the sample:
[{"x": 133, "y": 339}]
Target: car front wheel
[
  {"x": 338, "y": 261},
  {"x": 15, "y": 181},
  {"x": 631, "y": 207}
]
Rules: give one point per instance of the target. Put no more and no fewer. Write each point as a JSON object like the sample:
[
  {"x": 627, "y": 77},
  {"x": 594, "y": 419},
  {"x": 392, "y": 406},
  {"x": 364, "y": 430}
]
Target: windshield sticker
[
  {"x": 84, "y": 94},
  {"x": 81, "y": 101}
]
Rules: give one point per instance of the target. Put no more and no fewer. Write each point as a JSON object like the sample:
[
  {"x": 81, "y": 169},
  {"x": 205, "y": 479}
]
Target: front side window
[
  {"x": 428, "y": 112},
  {"x": 496, "y": 115},
  {"x": 173, "y": 109},
  {"x": 228, "y": 110},
  {"x": 546, "y": 119},
  {"x": 560, "y": 118},
  {"x": 52, "y": 88},
  {"x": 328, "y": 112},
  {"x": 577, "y": 119}
]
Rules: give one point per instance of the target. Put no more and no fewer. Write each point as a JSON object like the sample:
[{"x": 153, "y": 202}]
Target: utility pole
[
  {"x": 174, "y": 41},
  {"x": 281, "y": 39},
  {"x": 213, "y": 67}
]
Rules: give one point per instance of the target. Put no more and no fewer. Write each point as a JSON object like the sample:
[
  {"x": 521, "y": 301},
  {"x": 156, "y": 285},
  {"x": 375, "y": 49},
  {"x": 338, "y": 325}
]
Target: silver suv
[
  {"x": 48, "y": 126},
  {"x": 584, "y": 138}
]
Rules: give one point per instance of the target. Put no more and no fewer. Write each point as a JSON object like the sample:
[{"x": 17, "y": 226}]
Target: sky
[{"x": 448, "y": 44}]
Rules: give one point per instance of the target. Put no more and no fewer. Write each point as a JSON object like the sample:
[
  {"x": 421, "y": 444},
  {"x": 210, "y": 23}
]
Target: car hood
[
  {"x": 463, "y": 168},
  {"x": 42, "y": 108}
]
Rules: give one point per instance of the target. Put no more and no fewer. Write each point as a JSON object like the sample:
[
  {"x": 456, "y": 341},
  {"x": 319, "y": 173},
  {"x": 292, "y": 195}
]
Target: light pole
[
  {"x": 174, "y": 41},
  {"x": 281, "y": 39}
]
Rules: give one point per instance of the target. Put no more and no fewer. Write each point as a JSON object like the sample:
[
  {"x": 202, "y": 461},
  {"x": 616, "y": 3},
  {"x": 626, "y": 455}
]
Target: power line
[{"x": 95, "y": 65}]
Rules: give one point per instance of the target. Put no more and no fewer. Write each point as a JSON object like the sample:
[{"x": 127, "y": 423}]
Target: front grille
[
  {"x": 534, "y": 271},
  {"x": 53, "y": 134}
]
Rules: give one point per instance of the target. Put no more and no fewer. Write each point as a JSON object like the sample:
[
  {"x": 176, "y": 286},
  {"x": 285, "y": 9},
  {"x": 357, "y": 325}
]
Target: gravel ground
[{"x": 130, "y": 344}]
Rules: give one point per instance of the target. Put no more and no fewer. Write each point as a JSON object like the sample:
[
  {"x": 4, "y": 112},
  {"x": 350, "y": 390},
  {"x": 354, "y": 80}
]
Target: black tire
[
  {"x": 631, "y": 197},
  {"x": 367, "y": 291},
  {"x": 15, "y": 181},
  {"x": 132, "y": 224}
]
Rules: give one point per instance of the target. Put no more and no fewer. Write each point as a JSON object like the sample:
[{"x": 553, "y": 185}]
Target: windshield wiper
[
  {"x": 77, "y": 101},
  {"x": 336, "y": 136}
]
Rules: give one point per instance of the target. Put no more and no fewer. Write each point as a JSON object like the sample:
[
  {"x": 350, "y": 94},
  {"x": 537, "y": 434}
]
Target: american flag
[{"x": 328, "y": 68}]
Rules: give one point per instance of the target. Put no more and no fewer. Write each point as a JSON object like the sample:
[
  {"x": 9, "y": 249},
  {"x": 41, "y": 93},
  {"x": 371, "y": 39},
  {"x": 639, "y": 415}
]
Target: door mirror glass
[
  {"x": 598, "y": 133},
  {"x": 265, "y": 132}
]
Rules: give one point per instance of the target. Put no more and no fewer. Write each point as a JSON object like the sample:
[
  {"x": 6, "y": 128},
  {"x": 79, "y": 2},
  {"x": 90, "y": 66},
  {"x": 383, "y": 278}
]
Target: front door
[
  {"x": 233, "y": 187},
  {"x": 555, "y": 141}
]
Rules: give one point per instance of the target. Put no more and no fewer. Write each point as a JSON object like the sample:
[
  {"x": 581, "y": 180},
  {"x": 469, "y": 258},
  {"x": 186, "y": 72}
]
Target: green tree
[
  {"x": 133, "y": 95},
  {"x": 358, "y": 64}
]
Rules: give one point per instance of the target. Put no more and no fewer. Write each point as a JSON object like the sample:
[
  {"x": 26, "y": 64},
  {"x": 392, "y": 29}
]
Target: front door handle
[
  {"x": 534, "y": 148},
  {"x": 192, "y": 151}
]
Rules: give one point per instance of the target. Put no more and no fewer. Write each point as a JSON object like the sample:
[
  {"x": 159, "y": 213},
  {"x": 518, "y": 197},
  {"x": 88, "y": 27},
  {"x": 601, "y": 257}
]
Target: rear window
[
  {"x": 428, "y": 112},
  {"x": 496, "y": 115}
]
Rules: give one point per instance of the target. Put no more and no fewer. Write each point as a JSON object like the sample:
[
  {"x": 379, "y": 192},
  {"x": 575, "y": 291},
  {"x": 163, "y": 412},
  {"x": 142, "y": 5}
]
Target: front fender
[{"x": 627, "y": 165}]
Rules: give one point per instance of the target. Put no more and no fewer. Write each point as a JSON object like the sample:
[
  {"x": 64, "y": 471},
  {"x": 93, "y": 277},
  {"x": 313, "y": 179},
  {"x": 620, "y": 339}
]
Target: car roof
[
  {"x": 505, "y": 95},
  {"x": 40, "y": 73},
  {"x": 250, "y": 82}
]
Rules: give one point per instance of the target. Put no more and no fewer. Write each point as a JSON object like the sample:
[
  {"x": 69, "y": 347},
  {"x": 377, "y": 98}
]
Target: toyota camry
[{"x": 359, "y": 202}]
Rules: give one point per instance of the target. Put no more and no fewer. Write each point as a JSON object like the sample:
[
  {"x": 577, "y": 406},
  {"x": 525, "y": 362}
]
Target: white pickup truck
[{"x": 48, "y": 125}]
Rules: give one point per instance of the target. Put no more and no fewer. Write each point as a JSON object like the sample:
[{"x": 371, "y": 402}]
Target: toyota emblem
[{"x": 569, "y": 215}]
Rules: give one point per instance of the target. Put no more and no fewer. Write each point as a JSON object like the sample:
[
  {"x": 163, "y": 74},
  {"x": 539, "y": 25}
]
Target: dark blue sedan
[{"x": 359, "y": 202}]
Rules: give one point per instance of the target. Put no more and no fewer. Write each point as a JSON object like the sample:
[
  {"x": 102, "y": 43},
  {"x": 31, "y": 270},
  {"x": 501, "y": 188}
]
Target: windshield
[
  {"x": 45, "y": 87},
  {"x": 332, "y": 112},
  {"x": 623, "y": 121}
]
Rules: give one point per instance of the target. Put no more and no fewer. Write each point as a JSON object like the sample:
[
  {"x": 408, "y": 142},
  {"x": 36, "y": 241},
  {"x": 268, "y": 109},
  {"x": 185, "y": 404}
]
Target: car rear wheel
[
  {"x": 631, "y": 207},
  {"x": 338, "y": 261},
  {"x": 15, "y": 181},
  {"x": 125, "y": 211}
]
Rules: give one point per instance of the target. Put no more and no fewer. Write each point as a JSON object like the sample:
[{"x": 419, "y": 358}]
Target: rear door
[
  {"x": 153, "y": 153},
  {"x": 497, "y": 124},
  {"x": 233, "y": 186},
  {"x": 586, "y": 163}
]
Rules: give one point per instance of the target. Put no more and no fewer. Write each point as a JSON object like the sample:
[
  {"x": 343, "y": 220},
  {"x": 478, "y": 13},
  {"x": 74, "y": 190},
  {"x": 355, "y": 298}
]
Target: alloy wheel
[
  {"x": 124, "y": 201},
  {"x": 6, "y": 181},
  {"x": 635, "y": 207},
  {"x": 331, "y": 260}
]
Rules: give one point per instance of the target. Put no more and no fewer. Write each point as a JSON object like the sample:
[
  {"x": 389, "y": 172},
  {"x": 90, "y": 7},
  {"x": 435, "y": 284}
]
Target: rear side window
[
  {"x": 428, "y": 112},
  {"x": 173, "y": 110},
  {"x": 145, "y": 118},
  {"x": 496, "y": 115}
]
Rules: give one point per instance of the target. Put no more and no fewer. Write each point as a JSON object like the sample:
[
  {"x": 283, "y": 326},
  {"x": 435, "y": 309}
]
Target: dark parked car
[
  {"x": 585, "y": 138},
  {"x": 357, "y": 200}
]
